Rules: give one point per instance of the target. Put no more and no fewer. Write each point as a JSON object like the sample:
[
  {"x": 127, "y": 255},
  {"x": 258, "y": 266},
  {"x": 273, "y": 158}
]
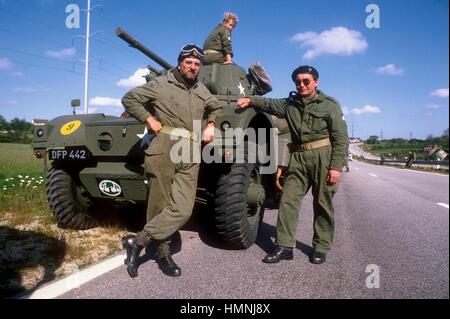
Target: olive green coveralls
[
  {"x": 217, "y": 45},
  {"x": 309, "y": 120},
  {"x": 172, "y": 186}
]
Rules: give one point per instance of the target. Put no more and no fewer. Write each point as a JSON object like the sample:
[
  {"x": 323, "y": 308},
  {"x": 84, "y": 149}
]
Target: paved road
[
  {"x": 387, "y": 221},
  {"x": 354, "y": 149}
]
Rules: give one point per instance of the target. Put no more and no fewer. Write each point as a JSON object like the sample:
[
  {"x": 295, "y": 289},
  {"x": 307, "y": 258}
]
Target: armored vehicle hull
[{"x": 95, "y": 157}]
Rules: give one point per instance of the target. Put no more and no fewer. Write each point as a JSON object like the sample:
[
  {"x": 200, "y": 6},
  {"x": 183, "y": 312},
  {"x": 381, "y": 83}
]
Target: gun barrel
[{"x": 137, "y": 45}]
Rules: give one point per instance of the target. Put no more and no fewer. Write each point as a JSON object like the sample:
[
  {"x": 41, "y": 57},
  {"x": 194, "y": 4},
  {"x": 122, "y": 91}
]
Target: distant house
[{"x": 434, "y": 149}]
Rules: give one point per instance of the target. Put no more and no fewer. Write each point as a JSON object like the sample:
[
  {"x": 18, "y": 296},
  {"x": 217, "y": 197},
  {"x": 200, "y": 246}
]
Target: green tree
[
  {"x": 373, "y": 139},
  {"x": 20, "y": 125},
  {"x": 3, "y": 123}
]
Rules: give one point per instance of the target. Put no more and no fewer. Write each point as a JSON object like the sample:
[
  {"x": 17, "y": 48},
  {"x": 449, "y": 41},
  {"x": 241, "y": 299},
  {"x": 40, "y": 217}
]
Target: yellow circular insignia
[{"x": 70, "y": 127}]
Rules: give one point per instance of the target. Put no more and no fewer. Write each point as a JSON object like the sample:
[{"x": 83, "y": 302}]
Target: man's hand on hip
[
  {"x": 153, "y": 124},
  {"x": 208, "y": 133},
  {"x": 333, "y": 176}
]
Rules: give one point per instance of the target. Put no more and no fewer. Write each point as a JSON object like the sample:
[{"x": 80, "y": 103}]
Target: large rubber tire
[
  {"x": 237, "y": 221},
  {"x": 67, "y": 201}
]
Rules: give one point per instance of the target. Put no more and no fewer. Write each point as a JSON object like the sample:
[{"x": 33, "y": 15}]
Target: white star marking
[
  {"x": 145, "y": 137},
  {"x": 241, "y": 89}
]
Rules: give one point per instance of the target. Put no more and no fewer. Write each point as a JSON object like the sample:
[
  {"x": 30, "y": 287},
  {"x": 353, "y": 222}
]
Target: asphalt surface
[
  {"x": 356, "y": 150},
  {"x": 388, "y": 222}
]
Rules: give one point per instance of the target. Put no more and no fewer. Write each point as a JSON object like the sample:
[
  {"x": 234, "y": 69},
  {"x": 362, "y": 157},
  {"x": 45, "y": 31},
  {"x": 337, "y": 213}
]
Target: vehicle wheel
[
  {"x": 69, "y": 202},
  {"x": 239, "y": 204}
]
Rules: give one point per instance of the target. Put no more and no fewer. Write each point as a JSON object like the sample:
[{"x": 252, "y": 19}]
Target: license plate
[{"x": 77, "y": 154}]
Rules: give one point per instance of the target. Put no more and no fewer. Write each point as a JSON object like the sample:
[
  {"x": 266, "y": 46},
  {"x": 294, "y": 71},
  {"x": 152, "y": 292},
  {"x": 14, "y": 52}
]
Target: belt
[
  {"x": 309, "y": 146},
  {"x": 180, "y": 132},
  {"x": 211, "y": 51}
]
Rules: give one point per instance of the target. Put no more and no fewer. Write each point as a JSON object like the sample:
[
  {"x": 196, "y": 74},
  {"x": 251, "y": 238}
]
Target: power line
[
  {"x": 32, "y": 38},
  {"x": 34, "y": 20},
  {"x": 62, "y": 70},
  {"x": 67, "y": 62},
  {"x": 36, "y": 56}
]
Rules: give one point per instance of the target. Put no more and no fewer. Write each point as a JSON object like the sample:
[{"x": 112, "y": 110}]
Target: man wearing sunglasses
[
  {"x": 217, "y": 45},
  {"x": 168, "y": 105},
  {"x": 319, "y": 143}
]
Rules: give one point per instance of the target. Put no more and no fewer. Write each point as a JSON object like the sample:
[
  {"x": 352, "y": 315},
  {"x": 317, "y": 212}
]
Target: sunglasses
[
  {"x": 305, "y": 82},
  {"x": 191, "y": 49}
]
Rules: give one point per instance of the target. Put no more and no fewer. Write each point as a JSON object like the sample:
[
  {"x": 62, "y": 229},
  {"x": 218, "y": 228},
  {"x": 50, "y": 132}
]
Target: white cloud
[
  {"x": 104, "y": 101},
  {"x": 5, "y": 64},
  {"x": 389, "y": 69},
  {"x": 136, "y": 79},
  {"x": 433, "y": 106},
  {"x": 337, "y": 40},
  {"x": 362, "y": 110},
  {"x": 61, "y": 54},
  {"x": 440, "y": 93},
  {"x": 8, "y": 102},
  {"x": 28, "y": 89}
]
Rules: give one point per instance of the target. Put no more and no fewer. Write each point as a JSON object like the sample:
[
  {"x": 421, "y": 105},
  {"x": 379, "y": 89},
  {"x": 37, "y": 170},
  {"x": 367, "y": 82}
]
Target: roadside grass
[{"x": 33, "y": 250}]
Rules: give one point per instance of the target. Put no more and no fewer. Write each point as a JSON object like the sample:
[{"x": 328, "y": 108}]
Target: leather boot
[
  {"x": 318, "y": 258},
  {"x": 168, "y": 266},
  {"x": 133, "y": 250},
  {"x": 165, "y": 261},
  {"x": 280, "y": 253}
]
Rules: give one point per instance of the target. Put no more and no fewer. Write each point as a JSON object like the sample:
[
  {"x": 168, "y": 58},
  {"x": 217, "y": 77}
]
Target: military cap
[
  {"x": 191, "y": 50},
  {"x": 305, "y": 69}
]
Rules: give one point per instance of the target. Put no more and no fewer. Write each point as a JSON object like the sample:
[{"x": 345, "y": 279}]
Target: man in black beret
[{"x": 319, "y": 143}]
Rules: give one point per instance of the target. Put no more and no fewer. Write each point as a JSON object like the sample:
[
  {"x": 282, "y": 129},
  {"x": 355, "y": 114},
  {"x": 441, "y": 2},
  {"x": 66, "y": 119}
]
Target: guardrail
[{"x": 403, "y": 162}]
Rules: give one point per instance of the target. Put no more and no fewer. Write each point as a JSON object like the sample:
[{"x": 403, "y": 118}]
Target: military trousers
[
  {"x": 171, "y": 197},
  {"x": 211, "y": 58},
  {"x": 307, "y": 170}
]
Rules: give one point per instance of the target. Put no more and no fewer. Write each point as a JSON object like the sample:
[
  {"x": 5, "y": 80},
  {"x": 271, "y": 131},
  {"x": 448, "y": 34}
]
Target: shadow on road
[
  {"x": 27, "y": 251},
  {"x": 266, "y": 239}
]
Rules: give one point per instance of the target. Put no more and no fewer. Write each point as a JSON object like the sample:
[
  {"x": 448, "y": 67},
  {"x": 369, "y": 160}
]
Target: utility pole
[
  {"x": 86, "y": 57},
  {"x": 352, "y": 130},
  {"x": 86, "y": 61}
]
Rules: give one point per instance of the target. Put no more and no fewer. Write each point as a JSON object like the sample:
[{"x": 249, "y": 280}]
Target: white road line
[
  {"x": 77, "y": 279},
  {"x": 443, "y": 205},
  {"x": 357, "y": 168},
  {"x": 373, "y": 175}
]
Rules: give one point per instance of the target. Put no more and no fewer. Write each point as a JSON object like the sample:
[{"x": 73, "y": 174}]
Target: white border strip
[{"x": 77, "y": 279}]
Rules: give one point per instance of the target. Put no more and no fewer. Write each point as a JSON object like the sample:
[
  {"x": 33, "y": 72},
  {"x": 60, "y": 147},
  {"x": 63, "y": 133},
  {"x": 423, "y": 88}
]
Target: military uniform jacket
[
  {"x": 219, "y": 40},
  {"x": 318, "y": 119},
  {"x": 172, "y": 103}
]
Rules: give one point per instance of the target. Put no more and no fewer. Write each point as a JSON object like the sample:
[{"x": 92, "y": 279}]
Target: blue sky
[{"x": 391, "y": 81}]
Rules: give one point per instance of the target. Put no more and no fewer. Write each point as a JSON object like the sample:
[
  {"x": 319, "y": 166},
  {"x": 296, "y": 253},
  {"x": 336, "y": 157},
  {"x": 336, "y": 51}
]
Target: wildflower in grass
[{"x": 19, "y": 176}]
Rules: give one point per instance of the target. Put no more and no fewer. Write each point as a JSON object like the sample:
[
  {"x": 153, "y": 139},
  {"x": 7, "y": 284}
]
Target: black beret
[{"x": 305, "y": 69}]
